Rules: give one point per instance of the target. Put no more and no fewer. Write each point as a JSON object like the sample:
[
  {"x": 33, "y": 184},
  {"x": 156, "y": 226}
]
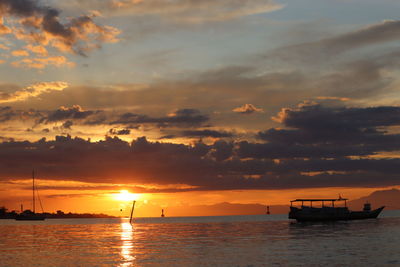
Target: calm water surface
[{"x": 236, "y": 241}]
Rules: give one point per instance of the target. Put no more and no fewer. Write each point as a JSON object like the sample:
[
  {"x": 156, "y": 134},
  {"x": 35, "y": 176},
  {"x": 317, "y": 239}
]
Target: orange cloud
[
  {"x": 247, "y": 109},
  {"x": 42, "y": 27},
  {"x": 41, "y": 63},
  {"x": 32, "y": 91},
  {"x": 20, "y": 53},
  {"x": 37, "y": 49},
  {"x": 3, "y": 28},
  {"x": 79, "y": 36}
]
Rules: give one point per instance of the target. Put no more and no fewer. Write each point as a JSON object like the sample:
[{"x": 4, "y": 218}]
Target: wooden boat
[
  {"x": 329, "y": 213},
  {"x": 28, "y": 215}
]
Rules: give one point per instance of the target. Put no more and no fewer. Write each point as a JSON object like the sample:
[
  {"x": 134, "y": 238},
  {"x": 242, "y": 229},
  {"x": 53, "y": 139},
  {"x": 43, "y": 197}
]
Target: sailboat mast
[{"x": 33, "y": 190}]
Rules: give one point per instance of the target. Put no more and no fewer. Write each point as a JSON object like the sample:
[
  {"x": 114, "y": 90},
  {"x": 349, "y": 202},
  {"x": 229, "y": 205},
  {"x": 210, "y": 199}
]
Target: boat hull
[
  {"x": 35, "y": 217},
  {"x": 331, "y": 214}
]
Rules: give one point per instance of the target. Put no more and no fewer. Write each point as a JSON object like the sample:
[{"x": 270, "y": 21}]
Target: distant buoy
[{"x": 162, "y": 213}]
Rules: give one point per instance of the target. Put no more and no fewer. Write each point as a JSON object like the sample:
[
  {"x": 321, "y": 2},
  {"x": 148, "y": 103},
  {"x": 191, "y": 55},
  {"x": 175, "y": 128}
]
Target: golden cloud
[
  {"x": 37, "y": 49},
  {"x": 20, "y": 53},
  {"x": 32, "y": 91},
  {"x": 247, "y": 109},
  {"x": 41, "y": 63},
  {"x": 42, "y": 27}
]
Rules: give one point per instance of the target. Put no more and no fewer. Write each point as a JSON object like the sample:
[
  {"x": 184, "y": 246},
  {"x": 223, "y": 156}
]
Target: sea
[{"x": 234, "y": 241}]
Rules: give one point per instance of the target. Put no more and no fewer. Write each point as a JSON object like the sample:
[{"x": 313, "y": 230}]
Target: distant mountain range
[{"x": 389, "y": 198}]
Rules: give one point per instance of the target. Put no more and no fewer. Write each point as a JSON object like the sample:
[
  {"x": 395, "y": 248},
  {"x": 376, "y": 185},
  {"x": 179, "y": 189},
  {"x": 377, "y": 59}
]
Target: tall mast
[{"x": 33, "y": 190}]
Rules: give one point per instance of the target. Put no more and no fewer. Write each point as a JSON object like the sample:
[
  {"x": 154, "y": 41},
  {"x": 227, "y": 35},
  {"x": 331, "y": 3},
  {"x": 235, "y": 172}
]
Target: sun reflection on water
[{"x": 127, "y": 244}]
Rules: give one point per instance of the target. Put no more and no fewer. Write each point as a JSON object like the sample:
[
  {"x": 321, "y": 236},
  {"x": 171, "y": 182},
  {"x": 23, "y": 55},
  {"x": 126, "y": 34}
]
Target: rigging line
[{"x": 40, "y": 202}]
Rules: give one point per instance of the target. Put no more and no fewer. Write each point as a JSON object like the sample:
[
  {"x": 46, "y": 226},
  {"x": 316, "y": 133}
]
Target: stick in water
[{"x": 133, "y": 207}]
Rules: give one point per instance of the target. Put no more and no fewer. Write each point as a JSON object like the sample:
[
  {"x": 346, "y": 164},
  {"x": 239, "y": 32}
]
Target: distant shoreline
[{"x": 58, "y": 215}]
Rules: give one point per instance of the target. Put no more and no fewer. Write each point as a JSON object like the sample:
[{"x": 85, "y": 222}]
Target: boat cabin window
[{"x": 319, "y": 203}]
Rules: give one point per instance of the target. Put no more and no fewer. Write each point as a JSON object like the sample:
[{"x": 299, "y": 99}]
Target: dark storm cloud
[
  {"x": 206, "y": 133},
  {"x": 67, "y": 125},
  {"x": 6, "y": 114},
  {"x": 76, "y": 115},
  {"x": 20, "y": 7},
  {"x": 286, "y": 150},
  {"x": 189, "y": 117},
  {"x": 318, "y": 117},
  {"x": 64, "y": 113},
  {"x": 219, "y": 166},
  {"x": 119, "y": 132},
  {"x": 328, "y": 132}
]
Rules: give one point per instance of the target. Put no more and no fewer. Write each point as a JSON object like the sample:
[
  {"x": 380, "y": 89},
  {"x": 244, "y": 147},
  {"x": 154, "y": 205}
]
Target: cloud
[
  {"x": 385, "y": 31},
  {"x": 201, "y": 167},
  {"x": 122, "y": 123},
  {"x": 41, "y": 63},
  {"x": 247, "y": 109},
  {"x": 37, "y": 49},
  {"x": 6, "y": 114},
  {"x": 20, "y": 53},
  {"x": 316, "y": 131},
  {"x": 316, "y": 116},
  {"x": 34, "y": 90},
  {"x": 67, "y": 125},
  {"x": 41, "y": 27},
  {"x": 332, "y": 98},
  {"x": 206, "y": 133},
  {"x": 65, "y": 113},
  {"x": 114, "y": 131},
  {"x": 329, "y": 49},
  {"x": 186, "y": 11},
  {"x": 188, "y": 117}
]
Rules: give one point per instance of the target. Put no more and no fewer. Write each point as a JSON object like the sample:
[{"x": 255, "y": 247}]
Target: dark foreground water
[{"x": 235, "y": 241}]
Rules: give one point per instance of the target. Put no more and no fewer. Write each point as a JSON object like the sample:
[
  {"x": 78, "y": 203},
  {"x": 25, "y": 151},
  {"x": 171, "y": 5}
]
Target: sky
[{"x": 182, "y": 103}]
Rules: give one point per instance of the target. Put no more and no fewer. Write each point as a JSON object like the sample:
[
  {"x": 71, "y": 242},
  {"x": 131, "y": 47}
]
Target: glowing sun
[{"x": 125, "y": 195}]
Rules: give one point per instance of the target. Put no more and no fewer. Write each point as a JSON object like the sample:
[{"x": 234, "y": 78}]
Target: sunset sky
[{"x": 186, "y": 102}]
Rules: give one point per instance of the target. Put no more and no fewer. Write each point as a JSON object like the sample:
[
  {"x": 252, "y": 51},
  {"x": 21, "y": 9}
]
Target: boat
[
  {"x": 29, "y": 215},
  {"x": 330, "y": 212}
]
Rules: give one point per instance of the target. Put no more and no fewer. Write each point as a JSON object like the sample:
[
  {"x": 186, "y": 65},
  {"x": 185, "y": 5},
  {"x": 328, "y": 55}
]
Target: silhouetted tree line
[{"x": 5, "y": 214}]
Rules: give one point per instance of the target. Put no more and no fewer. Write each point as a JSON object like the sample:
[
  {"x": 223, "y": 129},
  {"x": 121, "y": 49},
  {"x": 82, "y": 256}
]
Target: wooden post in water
[
  {"x": 33, "y": 190},
  {"x": 133, "y": 207}
]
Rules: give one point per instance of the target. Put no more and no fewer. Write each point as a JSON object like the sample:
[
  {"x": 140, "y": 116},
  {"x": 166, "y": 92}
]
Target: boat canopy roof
[{"x": 319, "y": 199}]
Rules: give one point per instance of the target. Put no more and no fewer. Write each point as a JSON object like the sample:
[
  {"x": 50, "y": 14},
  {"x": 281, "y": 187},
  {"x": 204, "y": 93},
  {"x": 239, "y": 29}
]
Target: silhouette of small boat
[
  {"x": 330, "y": 213},
  {"x": 28, "y": 215}
]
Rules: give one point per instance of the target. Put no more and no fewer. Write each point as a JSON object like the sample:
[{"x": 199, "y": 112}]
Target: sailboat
[{"x": 29, "y": 215}]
